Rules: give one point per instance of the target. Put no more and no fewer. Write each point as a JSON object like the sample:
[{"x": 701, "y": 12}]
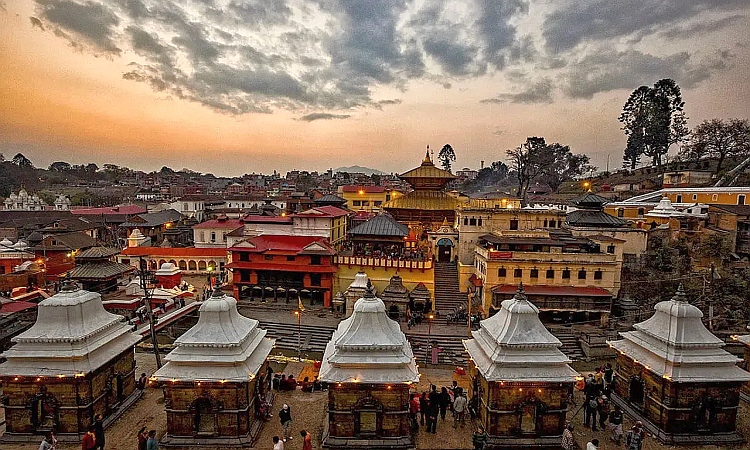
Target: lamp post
[
  {"x": 299, "y": 334},
  {"x": 429, "y": 334},
  {"x": 146, "y": 284}
]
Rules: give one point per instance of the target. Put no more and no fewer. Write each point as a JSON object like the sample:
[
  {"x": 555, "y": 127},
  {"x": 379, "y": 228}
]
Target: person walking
[
  {"x": 634, "y": 438},
  {"x": 591, "y": 406},
  {"x": 459, "y": 408},
  {"x": 424, "y": 404},
  {"x": 99, "y": 431},
  {"x": 277, "y": 443},
  {"x": 88, "y": 442},
  {"x": 306, "y": 440},
  {"x": 445, "y": 401},
  {"x": 285, "y": 417},
  {"x": 433, "y": 410},
  {"x": 568, "y": 441},
  {"x": 593, "y": 444},
  {"x": 615, "y": 424},
  {"x": 142, "y": 382},
  {"x": 142, "y": 438},
  {"x": 479, "y": 438},
  {"x": 603, "y": 410},
  {"x": 414, "y": 411},
  {"x": 152, "y": 443}
]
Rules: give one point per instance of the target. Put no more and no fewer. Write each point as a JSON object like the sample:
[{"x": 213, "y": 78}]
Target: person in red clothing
[
  {"x": 306, "y": 440},
  {"x": 89, "y": 439}
]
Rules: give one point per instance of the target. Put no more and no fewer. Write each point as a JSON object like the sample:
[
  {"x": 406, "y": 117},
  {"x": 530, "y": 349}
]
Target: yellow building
[
  {"x": 367, "y": 198},
  {"x": 380, "y": 271},
  {"x": 565, "y": 276},
  {"x": 635, "y": 208}
]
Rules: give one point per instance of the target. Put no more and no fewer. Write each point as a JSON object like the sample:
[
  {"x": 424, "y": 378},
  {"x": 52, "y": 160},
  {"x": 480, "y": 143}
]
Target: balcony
[
  {"x": 544, "y": 257},
  {"x": 365, "y": 261}
]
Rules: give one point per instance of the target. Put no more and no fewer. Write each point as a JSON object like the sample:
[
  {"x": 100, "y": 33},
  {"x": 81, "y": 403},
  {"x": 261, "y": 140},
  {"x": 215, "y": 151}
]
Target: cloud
[
  {"x": 496, "y": 28},
  {"x": 454, "y": 58},
  {"x": 35, "y": 22},
  {"x": 576, "y": 22},
  {"x": 323, "y": 116},
  {"x": 92, "y": 22},
  {"x": 537, "y": 92},
  {"x": 701, "y": 28},
  {"x": 389, "y": 102},
  {"x": 607, "y": 70}
]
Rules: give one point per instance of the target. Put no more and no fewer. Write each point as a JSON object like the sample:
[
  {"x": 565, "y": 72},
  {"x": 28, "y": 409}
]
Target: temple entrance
[
  {"x": 393, "y": 312},
  {"x": 205, "y": 418},
  {"x": 444, "y": 250},
  {"x": 636, "y": 392}
]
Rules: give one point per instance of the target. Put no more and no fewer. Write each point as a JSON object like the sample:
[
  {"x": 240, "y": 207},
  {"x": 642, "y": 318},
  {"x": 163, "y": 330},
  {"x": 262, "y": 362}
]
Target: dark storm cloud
[
  {"x": 606, "y": 19},
  {"x": 147, "y": 44},
  {"x": 454, "y": 58},
  {"x": 93, "y": 22},
  {"x": 496, "y": 30},
  {"x": 323, "y": 116},
  {"x": 608, "y": 70},
  {"x": 537, "y": 92}
]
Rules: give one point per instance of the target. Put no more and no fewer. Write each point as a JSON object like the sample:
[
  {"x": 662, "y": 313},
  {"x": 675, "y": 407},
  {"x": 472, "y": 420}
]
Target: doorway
[{"x": 445, "y": 250}]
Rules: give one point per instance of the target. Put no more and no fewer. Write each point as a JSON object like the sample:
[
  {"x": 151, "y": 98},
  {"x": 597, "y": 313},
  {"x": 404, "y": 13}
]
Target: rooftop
[
  {"x": 380, "y": 225},
  {"x": 284, "y": 243},
  {"x": 223, "y": 224}
]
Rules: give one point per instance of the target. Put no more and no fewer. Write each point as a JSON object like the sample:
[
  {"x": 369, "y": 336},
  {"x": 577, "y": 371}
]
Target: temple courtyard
[{"x": 308, "y": 413}]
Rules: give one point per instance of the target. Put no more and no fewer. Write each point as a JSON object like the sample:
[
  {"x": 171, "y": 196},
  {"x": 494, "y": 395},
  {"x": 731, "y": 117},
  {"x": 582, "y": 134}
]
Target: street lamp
[
  {"x": 147, "y": 282},
  {"x": 299, "y": 334}
]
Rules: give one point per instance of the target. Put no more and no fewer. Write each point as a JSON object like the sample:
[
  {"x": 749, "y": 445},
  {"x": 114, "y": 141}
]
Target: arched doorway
[{"x": 444, "y": 250}]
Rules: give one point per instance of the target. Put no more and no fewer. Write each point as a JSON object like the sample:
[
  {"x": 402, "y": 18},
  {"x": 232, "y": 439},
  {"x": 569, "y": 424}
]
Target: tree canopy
[
  {"x": 653, "y": 119},
  {"x": 447, "y": 156},
  {"x": 718, "y": 139},
  {"x": 21, "y": 161}
]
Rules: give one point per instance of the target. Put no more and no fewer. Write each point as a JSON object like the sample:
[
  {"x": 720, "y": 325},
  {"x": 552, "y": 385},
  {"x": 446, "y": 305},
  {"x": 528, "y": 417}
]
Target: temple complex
[
  {"x": 214, "y": 380},
  {"x": 427, "y": 205},
  {"x": 396, "y": 298},
  {"x": 75, "y": 362},
  {"x": 521, "y": 377},
  {"x": 672, "y": 374},
  {"x": 369, "y": 367}
]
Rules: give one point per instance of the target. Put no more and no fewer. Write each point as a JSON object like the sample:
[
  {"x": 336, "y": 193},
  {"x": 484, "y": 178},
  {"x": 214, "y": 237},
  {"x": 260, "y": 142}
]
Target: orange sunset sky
[{"x": 234, "y": 86}]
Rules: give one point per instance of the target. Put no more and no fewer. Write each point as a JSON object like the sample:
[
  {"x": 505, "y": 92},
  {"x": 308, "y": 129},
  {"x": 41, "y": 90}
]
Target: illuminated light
[
  {"x": 39, "y": 379},
  {"x": 361, "y": 192},
  {"x": 174, "y": 380},
  {"x": 152, "y": 378},
  {"x": 79, "y": 375},
  {"x": 61, "y": 376},
  {"x": 283, "y": 214},
  {"x": 389, "y": 386},
  {"x": 520, "y": 389},
  {"x": 539, "y": 390},
  {"x": 15, "y": 379},
  {"x": 222, "y": 381},
  {"x": 339, "y": 384},
  {"x": 199, "y": 383}
]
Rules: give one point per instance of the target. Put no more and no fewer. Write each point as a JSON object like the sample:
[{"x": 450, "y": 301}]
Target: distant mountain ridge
[{"x": 359, "y": 169}]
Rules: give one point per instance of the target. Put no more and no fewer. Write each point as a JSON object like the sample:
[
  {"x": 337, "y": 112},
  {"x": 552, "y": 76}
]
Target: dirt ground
[{"x": 308, "y": 413}]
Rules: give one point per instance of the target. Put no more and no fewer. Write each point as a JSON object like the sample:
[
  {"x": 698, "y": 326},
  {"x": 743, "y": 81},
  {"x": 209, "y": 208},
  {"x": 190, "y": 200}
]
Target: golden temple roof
[
  {"x": 427, "y": 170},
  {"x": 425, "y": 200}
]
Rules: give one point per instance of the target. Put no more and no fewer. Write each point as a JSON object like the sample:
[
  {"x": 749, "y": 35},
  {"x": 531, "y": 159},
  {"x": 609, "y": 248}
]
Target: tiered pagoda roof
[
  {"x": 73, "y": 335},
  {"x": 223, "y": 346},
  {"x": 368, "y": 347},
  {"x": 676, "y": 345},
  {"x": 514, "y": 346},
  {"x": 427, "y": 176},
  {"x": 590, "y": 213},
  {"x": 395, "y": 291}
]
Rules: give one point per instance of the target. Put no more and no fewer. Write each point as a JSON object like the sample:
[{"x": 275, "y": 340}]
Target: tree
[
  {"x": 445, "y": 156},
  {"x": 527, "y": 162},
  {"x": 59, "y": 166},
  {"x": 560, "y": 164},
  {"x": 22, "y": 161},
  {"x": 718, "y": 139},
  {"x": 653, "y": 120}
]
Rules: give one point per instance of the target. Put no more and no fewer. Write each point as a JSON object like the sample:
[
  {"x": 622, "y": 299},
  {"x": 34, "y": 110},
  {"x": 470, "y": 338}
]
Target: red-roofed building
[
  {"x": 190, "y": 260},
  {"x": 212, "y": 233},
  {"x": 283, "y": 267}
]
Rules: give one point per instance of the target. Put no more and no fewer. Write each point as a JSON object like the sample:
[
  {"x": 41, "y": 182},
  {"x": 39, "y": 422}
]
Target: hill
[{"x": 359, "y": 169}]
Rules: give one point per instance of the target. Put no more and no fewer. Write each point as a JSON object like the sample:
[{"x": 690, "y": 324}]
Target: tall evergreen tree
[{"x": 446, "y": 156}]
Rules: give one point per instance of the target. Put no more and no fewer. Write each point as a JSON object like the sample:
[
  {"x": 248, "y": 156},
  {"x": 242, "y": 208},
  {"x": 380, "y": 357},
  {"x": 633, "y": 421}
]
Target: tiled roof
[
  {"x": 284, "y": 243},
  {"x": 225, "y": 224},
  {"x": 71, "y": 241},
  {"x": 330, "y": 198},
  {"x": 589, "y": 199},
  {"x": 108, "y": 210},
  {"x": 554, "y": 291},
  {"x": 381, "y": 225},
  {"x": 13, "y": 307},
  {"x": 155, "y": 219},
  {"x": 740, "y": 210},
  {"x": 98, "y": 252},
  {"x": 175, "y": 252},
  {"x": 428, "y": 170},
  {"x": 324, "y": 211},
  {"x": 99, "y": 270},
  {"x": 584, "y": 218},
  {"x": 253, "y": 218},
  {"x": 424, "y": 200}
]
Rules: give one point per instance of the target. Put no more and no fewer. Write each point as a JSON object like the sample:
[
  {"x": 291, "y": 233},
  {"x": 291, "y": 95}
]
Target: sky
[{"x": 242, "y": 86}]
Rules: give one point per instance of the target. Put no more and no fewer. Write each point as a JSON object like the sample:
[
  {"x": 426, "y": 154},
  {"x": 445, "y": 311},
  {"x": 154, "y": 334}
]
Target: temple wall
[
  {"x": 67, "y": 403},
  {"x": 346, "y": 401},
  {"x": 677, "y": 408},
  {"x": 381, "y": 277}
]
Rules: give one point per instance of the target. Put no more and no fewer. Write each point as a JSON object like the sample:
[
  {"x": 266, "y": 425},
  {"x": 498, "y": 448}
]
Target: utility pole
[
  {"x": 711, "y": 300},
  {"x": 146, "y": 284}
]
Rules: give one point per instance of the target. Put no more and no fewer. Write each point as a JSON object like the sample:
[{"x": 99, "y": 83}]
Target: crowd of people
[
  {"x": 285, "y": 417},
  {"x": 282, "y": 382}
]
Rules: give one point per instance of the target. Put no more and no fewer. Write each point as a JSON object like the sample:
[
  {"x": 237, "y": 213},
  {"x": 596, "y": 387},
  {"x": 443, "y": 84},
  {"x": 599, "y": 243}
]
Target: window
[
  {"x": 377, "y": 202},
  {"x": 268, "y": 257},
  {"x": 479, "y": 221},
  {"x": 545, "y": 223},
  {"x": 566, "y": 274},
  {"x": 213, "y": 236},
  {"x": 597, "y": 274},
  {"x": 641, "y": 212},
  {"x": 513, "y": 224},
  {"x": 679, "y": 198},
  {"x": 517, "y": 273},
  {"x": 357, "y": 203},
  {"x": 466, "y": 221},
  {"x": 315, "y": 279},
  {"x": 534, "y": 273},
  {"x": 290, "y": 258},
  {"x": 184, "y": 206},
  {"x": 315, "y": 260},
  {"x": 582, "y": 274},
  {"x": 620, "y": 212},
  {"x": 246, "y": 257},
  {"x": 501, "y": 272},
  {"x": 559, "y": 224},
  {"x": 740, "y": 199},
  {"x": 365, "y": 203},
  {"x": 472, "y": 222},
  {"x": 714, "y": 197},
  {"x": 550, "y": 274},
  {"x": 611, "y": 248},
  {"x": 695, "y": 196}
]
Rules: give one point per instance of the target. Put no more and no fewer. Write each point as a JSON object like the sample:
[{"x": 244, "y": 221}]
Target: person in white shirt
[
  {"x": 278, "y": 444},
  {"x": 593, "y": 444}
]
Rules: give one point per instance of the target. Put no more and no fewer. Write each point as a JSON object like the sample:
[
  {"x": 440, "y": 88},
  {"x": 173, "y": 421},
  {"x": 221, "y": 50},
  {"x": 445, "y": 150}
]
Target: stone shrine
[
  {"x": 75, "y": 362},
  {"x": 521, "y": 377},
  {"x": 396, "y": 298},
  {"x": 214, "y": 381},
  {"x": 369, "y": 367},
  {"x": 673, "y": 375}
]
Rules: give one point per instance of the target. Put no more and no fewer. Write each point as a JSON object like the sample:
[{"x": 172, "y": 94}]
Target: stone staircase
[
  {"x": 313, "y": 338},
  {"x": 452, "y": 350},
  {"x": 570, "y": 345},
  {"x": 448, "y": 298}
]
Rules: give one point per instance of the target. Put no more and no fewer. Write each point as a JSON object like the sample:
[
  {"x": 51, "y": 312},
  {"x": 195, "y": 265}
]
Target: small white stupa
[
  {"x": 514, "y": 345},
  {"x": 664, "y": 210},
  {"x": 675, "y": 344},
  {"x": 73, "y": 335},
  {"x": 368, "y": 347},
  {"x": 223, "y": 345},
  {"x": 356, "y": 290}
]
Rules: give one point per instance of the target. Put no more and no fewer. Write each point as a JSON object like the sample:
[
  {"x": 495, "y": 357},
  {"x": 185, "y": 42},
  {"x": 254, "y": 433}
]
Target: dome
[{"x": 5, "y": 244}]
